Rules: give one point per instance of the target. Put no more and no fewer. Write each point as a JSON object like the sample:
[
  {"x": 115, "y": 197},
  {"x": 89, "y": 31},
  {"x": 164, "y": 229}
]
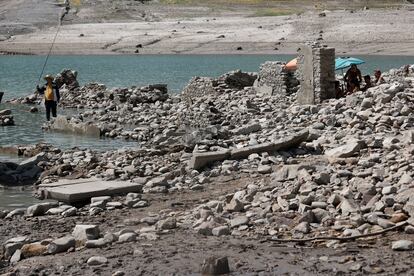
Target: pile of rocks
[
  {"x": 6, "y": 118},
  {"x": 352, "y": 176},
  {"x": 339, "y": 168}
]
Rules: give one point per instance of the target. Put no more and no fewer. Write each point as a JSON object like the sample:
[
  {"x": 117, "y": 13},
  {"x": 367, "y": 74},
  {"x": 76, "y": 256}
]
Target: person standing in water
[{"x": 52, "y": 96}]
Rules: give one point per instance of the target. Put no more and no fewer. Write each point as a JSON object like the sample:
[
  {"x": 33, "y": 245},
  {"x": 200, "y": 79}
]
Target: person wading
[{"x": 52, "y": 96}]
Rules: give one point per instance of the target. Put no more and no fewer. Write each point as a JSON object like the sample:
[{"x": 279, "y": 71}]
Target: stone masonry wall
[{"x": 274, "y": 79}]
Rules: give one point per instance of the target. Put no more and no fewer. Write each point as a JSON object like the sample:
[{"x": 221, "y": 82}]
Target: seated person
[
  {"x": 368, "y": 83},
  {"x": 378, "y": 77},
  {"x": 338, "y": 90},
  {"x": 353, "y": 79}
]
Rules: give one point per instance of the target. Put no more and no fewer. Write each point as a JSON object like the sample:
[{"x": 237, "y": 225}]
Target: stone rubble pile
[
  {"x": 354, "y": 175},
  {"x": 340, "y": 168}
]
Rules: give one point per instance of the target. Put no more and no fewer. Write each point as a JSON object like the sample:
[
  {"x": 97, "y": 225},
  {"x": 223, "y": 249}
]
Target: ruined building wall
[{"x": 275, "y": 80}]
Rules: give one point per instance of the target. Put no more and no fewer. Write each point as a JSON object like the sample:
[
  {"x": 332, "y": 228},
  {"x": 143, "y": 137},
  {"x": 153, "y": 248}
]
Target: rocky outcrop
[
  {"x": 6, "y": 118},
  {"x": 63, "y": 124},
  {"x": 25, "y": 173},
  {"x": 68, "y": 79}
]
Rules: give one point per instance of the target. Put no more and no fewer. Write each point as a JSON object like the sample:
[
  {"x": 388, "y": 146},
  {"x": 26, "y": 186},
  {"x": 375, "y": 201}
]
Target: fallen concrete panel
[
  {"x": 201, "y": 159},
  {"x": 83, "y": 191},
  {"x": 65, "y": 182},
  {"x": 284, "y": 143},
  {"x": 246, "y": 151}
]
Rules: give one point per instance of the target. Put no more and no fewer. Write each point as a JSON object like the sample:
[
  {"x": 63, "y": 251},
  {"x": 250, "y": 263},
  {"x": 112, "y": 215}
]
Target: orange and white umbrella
[{"x": 292, "y": 65}]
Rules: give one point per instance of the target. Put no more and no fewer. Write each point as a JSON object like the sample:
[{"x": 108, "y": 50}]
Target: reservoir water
[{"x": 19, "y": 76}]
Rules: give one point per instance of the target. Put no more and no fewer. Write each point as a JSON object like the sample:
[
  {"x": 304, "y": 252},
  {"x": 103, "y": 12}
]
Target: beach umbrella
[
  {"x": 345, "y": 62},
  {"x": 292, "y": 65}
]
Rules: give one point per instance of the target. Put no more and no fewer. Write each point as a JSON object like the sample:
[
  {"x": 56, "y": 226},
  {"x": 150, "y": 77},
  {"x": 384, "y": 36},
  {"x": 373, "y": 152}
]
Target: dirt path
[{"x": 182, "y": 251}]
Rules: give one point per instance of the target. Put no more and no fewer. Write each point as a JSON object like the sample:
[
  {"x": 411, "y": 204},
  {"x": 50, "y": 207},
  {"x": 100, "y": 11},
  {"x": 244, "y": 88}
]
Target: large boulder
[{"x": 67, "y": 77}]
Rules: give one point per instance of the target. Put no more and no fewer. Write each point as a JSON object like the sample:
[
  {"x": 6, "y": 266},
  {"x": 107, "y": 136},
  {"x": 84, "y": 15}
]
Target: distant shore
[{"x": 369, "y": 32}]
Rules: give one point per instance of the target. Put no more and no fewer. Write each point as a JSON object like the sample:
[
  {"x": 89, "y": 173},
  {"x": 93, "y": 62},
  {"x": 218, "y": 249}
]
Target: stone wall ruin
[{"x": 316, "y": 73}]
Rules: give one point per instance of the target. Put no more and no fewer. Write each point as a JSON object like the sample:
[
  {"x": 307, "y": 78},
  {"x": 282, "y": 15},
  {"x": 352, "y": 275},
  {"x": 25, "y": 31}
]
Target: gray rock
[
  {"x": 235, "y": 205},
  {"x": 17, "y": 256},
  {"x": 40, "y": 209},
  {"x": 127, "y": 237},
  {"x": 100, "y": 198},
  {"x": 61, "y": 245},
  {"x": 402, "y": 245},
  {"x": 221, "y": 231},
  {"x": 11, "y": 245},
  {"x": 167, "y": 224},
  {"x": 344, "y": 151},
  {"x": 70, "y": 212},
  {"x": 96, "y": 243},
  {"x": 86, "y": 232},
  {"x": 97, "y": 260},
  {"x": 302, "y": 227},
  {"x": 264, "y": 169},
  {"x": 215, "y": 266},
  {"x": 238, "y": 221}
]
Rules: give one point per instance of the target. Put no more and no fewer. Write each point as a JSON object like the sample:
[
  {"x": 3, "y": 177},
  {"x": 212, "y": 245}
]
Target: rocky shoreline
[{"x": 265, "y": 168}]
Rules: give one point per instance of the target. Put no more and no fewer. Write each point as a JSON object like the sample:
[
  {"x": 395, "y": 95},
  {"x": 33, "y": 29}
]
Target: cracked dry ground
[{"x": 182, "y": 251}]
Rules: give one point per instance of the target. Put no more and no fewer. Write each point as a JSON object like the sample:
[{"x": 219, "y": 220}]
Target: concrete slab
[{"x": 72, "y": 191}]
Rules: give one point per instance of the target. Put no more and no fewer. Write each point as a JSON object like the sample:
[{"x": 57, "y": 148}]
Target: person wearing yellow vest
[{"x": 51, "y": 94}]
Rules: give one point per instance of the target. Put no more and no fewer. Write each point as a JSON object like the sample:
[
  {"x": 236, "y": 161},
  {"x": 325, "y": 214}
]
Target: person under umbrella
[{"x": 353, "y": 78}]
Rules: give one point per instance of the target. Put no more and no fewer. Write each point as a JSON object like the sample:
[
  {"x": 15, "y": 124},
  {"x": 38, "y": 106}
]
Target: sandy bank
[{"x": 387, "y": 32}]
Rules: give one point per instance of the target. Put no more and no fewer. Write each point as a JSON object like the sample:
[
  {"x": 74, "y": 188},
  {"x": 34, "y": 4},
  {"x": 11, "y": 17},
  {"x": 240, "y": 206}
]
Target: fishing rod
[
  {"x": 48, "y": 54},
  {"x": 66, "y": 4}
]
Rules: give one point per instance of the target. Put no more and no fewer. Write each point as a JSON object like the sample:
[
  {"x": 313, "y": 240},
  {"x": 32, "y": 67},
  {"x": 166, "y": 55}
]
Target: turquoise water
[{"x": 19, "y": 76}]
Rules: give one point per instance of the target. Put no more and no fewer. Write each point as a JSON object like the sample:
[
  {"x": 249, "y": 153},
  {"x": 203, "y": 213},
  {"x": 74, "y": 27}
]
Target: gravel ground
[{"x": 182, "y": 252}]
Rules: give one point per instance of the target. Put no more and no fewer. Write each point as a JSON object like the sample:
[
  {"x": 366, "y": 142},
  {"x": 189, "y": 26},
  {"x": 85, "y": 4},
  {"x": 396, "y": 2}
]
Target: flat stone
[
  {"x": 221, "y": 231},
  {"x": 72, "y": 191},
  {"x": 281, "y": 144},
  {"x": 238, "y": 221},
  {"x": 61, "y": 245},
  {"x": 345, "y": 151},
  {"x": 402, "y": 245}
]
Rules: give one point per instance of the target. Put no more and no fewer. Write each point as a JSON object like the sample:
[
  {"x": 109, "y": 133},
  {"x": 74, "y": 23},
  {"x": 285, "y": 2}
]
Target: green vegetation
[{"x": 274, "y": 12}]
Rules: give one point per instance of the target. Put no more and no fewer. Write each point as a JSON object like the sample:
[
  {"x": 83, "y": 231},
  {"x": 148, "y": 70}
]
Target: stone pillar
[{"x": 316, "y": 73}]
